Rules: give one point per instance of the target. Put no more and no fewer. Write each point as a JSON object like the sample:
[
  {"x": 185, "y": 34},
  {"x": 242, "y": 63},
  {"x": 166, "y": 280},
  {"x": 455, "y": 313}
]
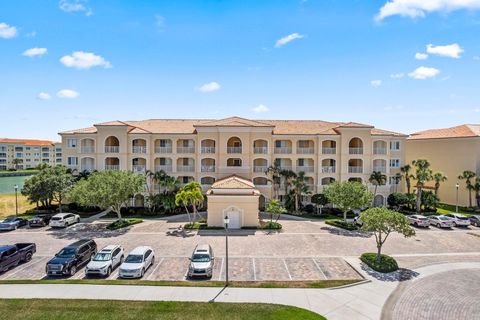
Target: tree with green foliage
[
  {"x": 396, "y": 179},
  {"x": 377, "y": 179},
  {"x": 287, "y": 176},
  {"x": 395, "y": 200},
  {"x": 476, "y": 188},
  {"x": 300, "y": 188},
  {"x": 273, "y": 175},
  {"x": 430, "y": 200},
  {"x": 274, "y": 207},
  {"x": 190, "y": 195},
  {"x": 319, "y": 200},
  {"x": 36, "y": 190},
  {"x": 382, "y": 222},
  {"x": 16, "y": 162},
  {"x": 405, "y": 171},
  {"x": 468, "y": 175},
  {"x": 110, "y": 189},
  {"x": 438, "y": 177},
  {"x": 423, "y": 174},
  {"x": 348, "y": 195},
  {"x": 60, "y": 182}
]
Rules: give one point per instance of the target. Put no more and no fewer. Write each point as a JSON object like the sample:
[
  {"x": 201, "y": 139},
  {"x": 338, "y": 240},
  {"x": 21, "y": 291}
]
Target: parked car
[
  {"x": 71, "y": 258},
  {"x": 39, "y": 220},
  {"x": 137, "y": 263},
  {"x": 358, "y": 221},
  {"x": 419, "y": 221},
  {"x": 62, "y": 220},
  {"x": 474, "y": 220},
  {"x": 13, "y": 255},
  {"x": 12, "y": 223},
  {"x": 105, "y": 261},
  {"x": 201, "y": 262},
  {"x": 441, "y": 221},
  {"x": 459, "y": 220}
]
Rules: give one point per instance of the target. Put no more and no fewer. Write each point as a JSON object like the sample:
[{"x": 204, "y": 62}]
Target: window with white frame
[
  {"x": 394, "y": 163},
  {"x": 394, "y": 145},
  {"x": 71, "y": 143},
  {"x": 72, "y": 161}
]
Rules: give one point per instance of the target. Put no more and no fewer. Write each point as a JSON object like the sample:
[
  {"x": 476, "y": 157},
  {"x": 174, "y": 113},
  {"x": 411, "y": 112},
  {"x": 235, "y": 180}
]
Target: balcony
[
  {"x": 355, "y": 150},
  {"x": 329, "y": 150},
  {"x": 163, "y": 149},
  {"x": 138, "y": 168},
  {"x": 234, "y": 150},
  {"x": 283, "y": 150},
  {"x": 382, "y": 169},
  {"x": 112, "y": 149},
  {"x": 185, "y": 149},
  {"x": 328, "y": 169},
  {"x": 305, "y": 150},
  {"x": 208, "y": 150},
  {"x": 166, "y": 168},
  {"x": 355, "y": 169},
  {"x": 87, "y": 149},
  {"x": 260, "y": 150},
  {"x": 112, "y": 167},
  {"x": 305, "y": 168},
  {"x": 260, "y": 168},
  {"x": 185, "y": 168},
  {"x": 208, "y": 168},
  {"x": 139, "y": 149},
  {"x": 379, "y": 150}
]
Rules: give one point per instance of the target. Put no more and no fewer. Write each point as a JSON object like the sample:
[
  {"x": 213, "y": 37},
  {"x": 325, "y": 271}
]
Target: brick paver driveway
[{"x": 447, "y": 295}]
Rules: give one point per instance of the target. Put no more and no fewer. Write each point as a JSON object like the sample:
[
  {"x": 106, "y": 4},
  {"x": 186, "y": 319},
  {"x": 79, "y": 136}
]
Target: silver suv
[{"x": 201, "y": 262}]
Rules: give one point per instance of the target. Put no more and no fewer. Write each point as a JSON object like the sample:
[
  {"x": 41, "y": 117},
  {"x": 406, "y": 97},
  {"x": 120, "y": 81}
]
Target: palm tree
[
  {"x": 476, "y": 188},
  {"x": 16, "y": 162},
  {"x": 468, "y": 176},
  {"x": 377, "y": 179},
  {"x": 194, "y": 195},
  {"x": 288, "y": 176},
  {"x": 300, "y": 188},
  {"x": 423, "y": 174},
  {"x": 273, "y": 175},
  {"x": 405, "y": 170},
  {"x": 397, "y": 178},
  {"x": 438, "y": 177}
]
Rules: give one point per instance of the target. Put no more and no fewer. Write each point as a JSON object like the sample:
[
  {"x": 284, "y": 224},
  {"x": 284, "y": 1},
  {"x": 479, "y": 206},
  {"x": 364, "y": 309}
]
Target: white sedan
[
  {"x": 137, "y": 263},
  {"x": 62, "y": 220},
  {"x": 459, "y": 220},
  {"x": 105, "y": 261},
  {"x": 418, "y": 220},
  {"x": 441, "y": 221}
]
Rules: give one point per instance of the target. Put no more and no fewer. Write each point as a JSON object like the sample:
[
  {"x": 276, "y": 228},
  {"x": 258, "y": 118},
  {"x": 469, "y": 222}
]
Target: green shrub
[
  {"x": 342, "y": 224},
  {"x": 272, "y": 225},
  {"x": 123, "y": 223},
  {"x": 386, "y": 263}
]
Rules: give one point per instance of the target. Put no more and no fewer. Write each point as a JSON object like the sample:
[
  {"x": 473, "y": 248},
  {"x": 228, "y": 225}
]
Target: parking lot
[{"x": 303, "y": 250}]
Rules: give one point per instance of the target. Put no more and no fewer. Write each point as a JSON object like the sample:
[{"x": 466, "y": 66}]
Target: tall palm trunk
[
  {"x": 407, "y": 182},
  {"x": 419, "y": 198}
]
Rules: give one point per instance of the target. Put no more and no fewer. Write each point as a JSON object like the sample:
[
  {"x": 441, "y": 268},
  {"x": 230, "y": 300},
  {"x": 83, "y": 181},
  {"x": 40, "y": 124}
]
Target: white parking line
[
  {"x": 221, "y": 270},
  {"x": 27, "y": 265},
  {"x": 319, "y": 269},
  {"x": 254, "y": 270},
  {"x": 155, "y": 269},
  {"x": 285, "y": 264}
]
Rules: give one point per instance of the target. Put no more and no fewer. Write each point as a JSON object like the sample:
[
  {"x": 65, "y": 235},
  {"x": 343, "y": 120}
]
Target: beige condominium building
[
  {"x": 451, "y": 151},
  {"x": 207, "y": 150},
  {"x": 30, "y": 153}
]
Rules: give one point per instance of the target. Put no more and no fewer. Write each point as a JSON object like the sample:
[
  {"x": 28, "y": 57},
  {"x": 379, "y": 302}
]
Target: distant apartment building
[
  {"x": 207, "y": 150},
  {"x": 30, "y": 153},
  {"x": 451, "y": 151}
]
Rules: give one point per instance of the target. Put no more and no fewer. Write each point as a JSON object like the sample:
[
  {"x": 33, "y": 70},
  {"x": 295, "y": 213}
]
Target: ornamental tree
[
  {"x": 348, "y": 195},
  {"x": 274, "y": 207}
]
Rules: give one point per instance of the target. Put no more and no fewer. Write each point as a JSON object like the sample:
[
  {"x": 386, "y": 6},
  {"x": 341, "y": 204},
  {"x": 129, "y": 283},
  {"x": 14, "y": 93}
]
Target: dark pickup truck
[{"x": 13, "y": 255}]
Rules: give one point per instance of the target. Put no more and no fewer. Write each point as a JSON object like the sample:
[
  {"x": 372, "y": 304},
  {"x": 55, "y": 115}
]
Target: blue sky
[{"x": 348, "y": 60}]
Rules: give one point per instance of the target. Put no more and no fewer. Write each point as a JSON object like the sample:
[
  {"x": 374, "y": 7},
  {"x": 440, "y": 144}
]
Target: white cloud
[
  {"x": 75, "y": 6},
  {"x": 7, "y": 31},
  {"x": 376, "y": 83},
  {"x": 261, "y": 108},
  {"x": 451, "y": 50},
  {"x": 33, "y": 52},
  {"x": 397, "y": 75},
  {"x": 68, "y": 94},
  {"x": 44, "y": 96},
  {"x": 419, "y": 8},
  {"x": 84, "y": 60},
  {"x": 209, "y": 87},
  {"x": 422, "y": 73},
  {"x": 283, "y": 41},
  {"x": 421, "y": 56}
]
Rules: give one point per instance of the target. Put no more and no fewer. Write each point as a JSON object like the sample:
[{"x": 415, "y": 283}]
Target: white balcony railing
[
  {"x": 166, "y": 168},
  {"x": 139, "y": 168},
  {"x": 305, "y": 168},
  {"x": 328, "y": 169},
  {"x": 379, "y": 150},
  {"x": 283, "y": 150},
  {"x": 234, "y": 149},
  {"x": 186, "y": 150},
  {"x": 260, "y": 168},
  {"x": 208, "y": 150},
  {"x": 185, "y": 168},
  {"x": 88, "y": 149},
  {"x": 329, "y": 150},
  {"x": 163, "y": 149},
  {"x": 139, "y": 149},
  {"x": 305, "y": 150},
  {"x": 112, "y": 149},
  {"x": 355, "y": 169},
  {"x": 260, "y": 150},
  {"x": 356, "y": 150},
  {"x": 208, "y": 168},
  {"x": 112, "y": 167},
  {"x": 382, "y": 169}
]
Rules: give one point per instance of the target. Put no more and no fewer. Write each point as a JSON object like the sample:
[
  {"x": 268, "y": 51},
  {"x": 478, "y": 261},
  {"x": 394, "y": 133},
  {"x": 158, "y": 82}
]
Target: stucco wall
[{"x": 218, "y": 203}]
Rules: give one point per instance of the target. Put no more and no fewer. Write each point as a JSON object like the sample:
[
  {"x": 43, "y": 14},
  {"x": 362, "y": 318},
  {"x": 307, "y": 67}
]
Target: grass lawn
[
  {"x": 7, "y": 204},
  {"x": 105, "y": 310},
  {"x": 447, "y": 208}
]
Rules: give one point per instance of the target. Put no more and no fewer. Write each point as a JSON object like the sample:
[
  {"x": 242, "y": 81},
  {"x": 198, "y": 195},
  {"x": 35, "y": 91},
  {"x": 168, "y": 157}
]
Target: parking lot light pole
[
  {"x": 456, "y": 203},
  {"x": 16, "y": 199},
  {"x": 226, "y": 220}
]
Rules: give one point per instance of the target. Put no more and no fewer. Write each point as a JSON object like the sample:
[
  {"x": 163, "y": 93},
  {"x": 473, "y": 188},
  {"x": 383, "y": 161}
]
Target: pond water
[{"x": 7, "y": 184}]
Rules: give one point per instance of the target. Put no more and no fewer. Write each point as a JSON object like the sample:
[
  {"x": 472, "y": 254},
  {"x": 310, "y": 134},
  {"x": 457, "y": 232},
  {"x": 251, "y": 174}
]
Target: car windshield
[
  {"x": 8, "y": 220},
  {"x": 134, "y": 258},
  {"x": 66, "y": 253},
  {"x": 56, "y": 218},
  {"x": 444, "y": 218},
  {"x": 102, "y": 256},
  {"x": 199, "y": 257}
]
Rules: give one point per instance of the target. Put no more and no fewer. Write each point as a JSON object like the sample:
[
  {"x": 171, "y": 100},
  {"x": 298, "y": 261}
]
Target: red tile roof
[
  {"x": 461, "y": 131},
  {"x": 28, "y": 142}
]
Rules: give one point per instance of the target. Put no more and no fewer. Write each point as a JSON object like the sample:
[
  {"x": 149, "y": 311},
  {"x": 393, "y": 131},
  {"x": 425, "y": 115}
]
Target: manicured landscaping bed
[
  {"x": 385, "y": 265},
  {"x": 350, "y": 226},
  {"x": 123, "y": 223},
  {"x": 96, "y": 309},
  {"x": 203, "y": 226},
  {"x": 200, "y": 225}
]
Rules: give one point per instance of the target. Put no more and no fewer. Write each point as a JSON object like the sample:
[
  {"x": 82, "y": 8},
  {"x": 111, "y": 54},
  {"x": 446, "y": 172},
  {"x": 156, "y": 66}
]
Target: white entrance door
[{"x": 234, "y": 217}]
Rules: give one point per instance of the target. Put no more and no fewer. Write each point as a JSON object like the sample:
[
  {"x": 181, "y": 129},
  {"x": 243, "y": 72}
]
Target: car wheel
[
  {"x": 143, "y": 272},
  {"x": 152, "y": 262},
  {"x": 121, "y": 259},
  {"x": 109, "y": 271},
  {"x": 78, "y": 220},
  {"x": 73, "y": 270},
  {"x": 415, "y": 224},
  {"x": 28, "y": 256}
]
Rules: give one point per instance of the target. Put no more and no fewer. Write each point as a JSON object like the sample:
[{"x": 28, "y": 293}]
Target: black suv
[{"x": 71, "y": 258}]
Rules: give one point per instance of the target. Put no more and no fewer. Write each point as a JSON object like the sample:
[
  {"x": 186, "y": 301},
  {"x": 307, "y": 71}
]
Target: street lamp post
[
  {"x": 16, "y": 199},
  {"x": 226, "y": 220},
  {"x": 456, "y": 203}
]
